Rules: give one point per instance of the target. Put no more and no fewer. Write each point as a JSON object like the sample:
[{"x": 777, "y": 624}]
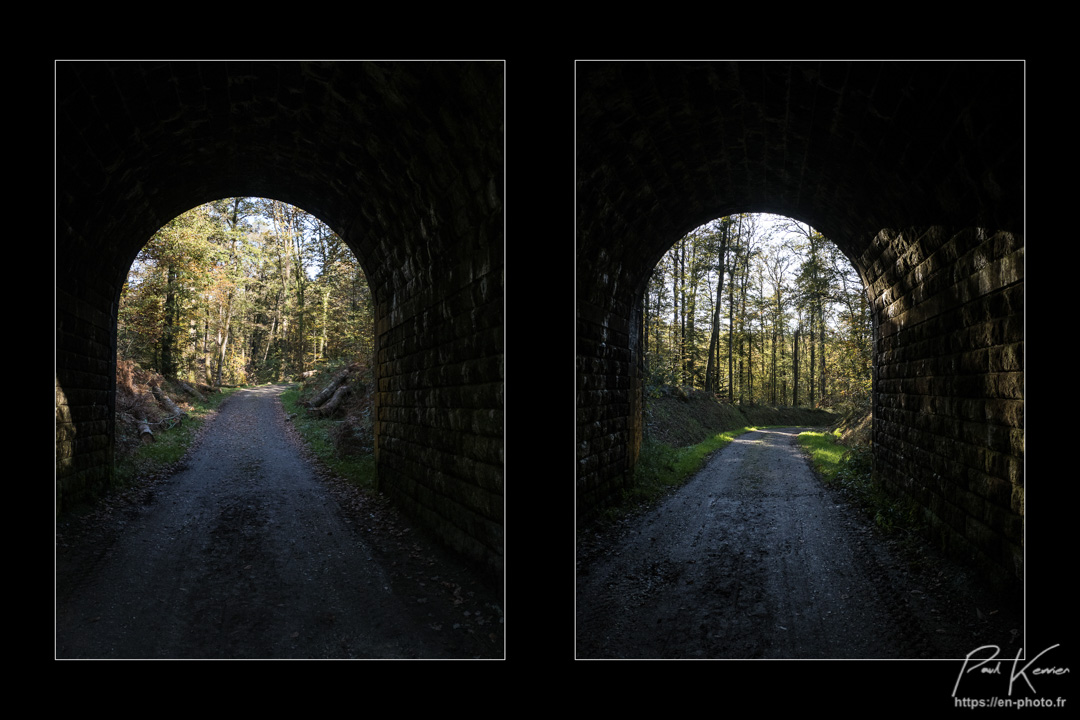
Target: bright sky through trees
[
  {"x": 244, "y": 290},
  {"x": 763, "y": 307}
]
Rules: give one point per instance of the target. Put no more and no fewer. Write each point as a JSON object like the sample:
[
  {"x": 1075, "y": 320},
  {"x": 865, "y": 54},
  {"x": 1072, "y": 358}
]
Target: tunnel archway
[
  {"x": 913, "y": 169},
  {"x": 402, "y": 160}
]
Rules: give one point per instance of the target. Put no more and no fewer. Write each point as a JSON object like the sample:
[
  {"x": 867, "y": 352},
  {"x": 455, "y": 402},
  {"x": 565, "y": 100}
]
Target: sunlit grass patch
[
  {"x": 851, "y": 470},
  {"x": 825, "y": 453},
  {"x": 691, "y": 459},
  {"x": 661, "y": 468}
]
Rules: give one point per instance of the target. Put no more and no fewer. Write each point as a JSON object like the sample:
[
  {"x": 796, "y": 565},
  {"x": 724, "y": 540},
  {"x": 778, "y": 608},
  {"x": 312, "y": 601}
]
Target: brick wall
[{"x": 948, "y": 401}]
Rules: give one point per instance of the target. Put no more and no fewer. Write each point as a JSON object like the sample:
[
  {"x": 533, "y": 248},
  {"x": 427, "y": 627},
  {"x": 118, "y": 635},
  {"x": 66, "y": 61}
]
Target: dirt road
[
  {"x": 755, "y": 558},
  {"x": 248, "y": 551}
]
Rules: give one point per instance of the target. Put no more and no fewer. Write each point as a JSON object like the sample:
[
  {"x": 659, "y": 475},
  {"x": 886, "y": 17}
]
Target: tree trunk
[
  {"x": 192, "y": 391},
  {"x": 169, "y": 362},
  {"x": 273, "y": 330},
  {"x": 333, "y": 403},
  {"x": 325, "y": 322},
  {"x": 745, "y": 336},
  {"x": 207, "y": 364},
  {"x": 145, "y": 434},
  {"x": 676, "y": 345},
  {"x": 223, "y": 336},
  {"x": 821, "y": 391},
  {"x": 712, "y": 371},
  {"x": 332, "y": 387},
  {"x": 731, "y": 329},
  {"x": 690, "y": 330},
  {"x": 795, "y": 369},
  {"x": 773, "y": 378},
  {"x": 166, "y": 402}
]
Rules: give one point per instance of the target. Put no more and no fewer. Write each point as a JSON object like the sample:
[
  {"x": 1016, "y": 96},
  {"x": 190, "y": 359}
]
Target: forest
[
  {"x": 759, "y": 309},
  {"x": 244, "y": 291}
]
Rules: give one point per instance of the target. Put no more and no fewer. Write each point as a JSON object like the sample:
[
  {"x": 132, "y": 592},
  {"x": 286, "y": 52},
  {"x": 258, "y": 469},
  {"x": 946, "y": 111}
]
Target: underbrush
[
  {"x": 850, "y": 470},
  {"x": 138, "y": 454},
  {"x": 342, "y": 441}
]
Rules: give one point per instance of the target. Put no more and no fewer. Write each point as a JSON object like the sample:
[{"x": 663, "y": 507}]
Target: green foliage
[
  {"x": 164, "y": 285},
  {"x": 244, "y": 290}
]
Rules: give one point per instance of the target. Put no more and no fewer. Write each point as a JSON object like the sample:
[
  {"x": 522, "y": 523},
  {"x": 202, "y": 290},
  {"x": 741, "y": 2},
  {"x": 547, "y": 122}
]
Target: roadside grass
[
  {"x": 850, "y": 470},
  {"x": 168, "y": 446},
  {"x": 825, "y": 454},
  {"x": 318, "y": 433},
  {"x": 662, "y": 468}
]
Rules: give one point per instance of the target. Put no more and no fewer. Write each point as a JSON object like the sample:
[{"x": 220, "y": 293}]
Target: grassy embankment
[
  {"x": 848, "y": 469},
  {"x": 135, "y": 459},
  {"x": 323, "y": 437},
  {"x": 683, "y": 429},
  {"x": 661, "y": 468}
]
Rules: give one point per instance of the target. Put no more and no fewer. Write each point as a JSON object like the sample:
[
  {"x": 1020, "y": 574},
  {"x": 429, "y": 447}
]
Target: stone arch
[
  {"x": 402, "y": 160},
  {"x": 913, "y": 169}
]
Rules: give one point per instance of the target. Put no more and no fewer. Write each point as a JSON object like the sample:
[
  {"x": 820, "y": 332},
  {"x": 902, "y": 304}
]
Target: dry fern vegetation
[{"x": 156, "y": 420}]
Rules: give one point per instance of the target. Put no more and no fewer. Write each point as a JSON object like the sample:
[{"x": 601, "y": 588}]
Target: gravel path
[
  {"x": 248, "y": 552},
  {"x": 755, "y": 558}
]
